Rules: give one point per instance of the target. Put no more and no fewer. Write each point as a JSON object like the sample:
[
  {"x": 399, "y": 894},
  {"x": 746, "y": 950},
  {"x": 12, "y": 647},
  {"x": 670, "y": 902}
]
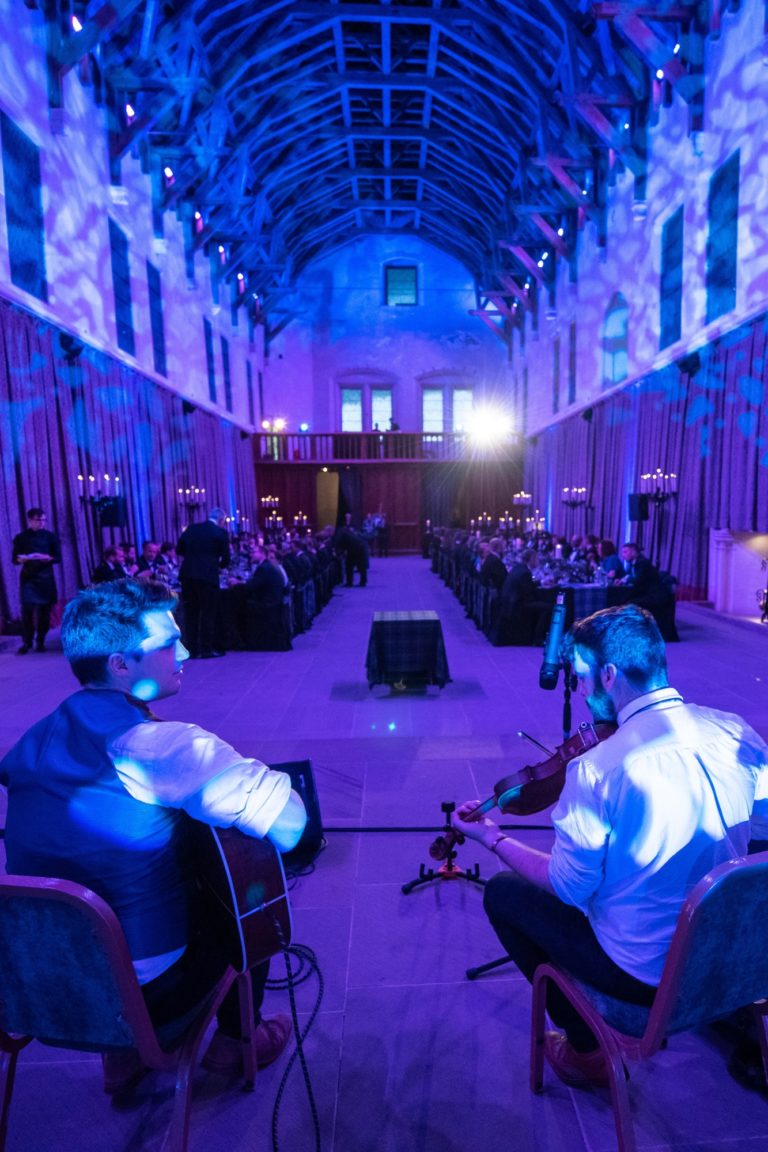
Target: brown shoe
[
  {"x": 576, "y": 1069},
  {"x": 122, "y": 1069},
  {"x": 225, "y": 1053}
]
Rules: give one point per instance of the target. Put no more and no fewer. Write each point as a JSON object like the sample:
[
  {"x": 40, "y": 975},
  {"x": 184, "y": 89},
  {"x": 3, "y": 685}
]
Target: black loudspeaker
[
  {"x": 638, "y": 506},
  {"x": 113, "y": 512},
  {"x": 303, "y": 782}
]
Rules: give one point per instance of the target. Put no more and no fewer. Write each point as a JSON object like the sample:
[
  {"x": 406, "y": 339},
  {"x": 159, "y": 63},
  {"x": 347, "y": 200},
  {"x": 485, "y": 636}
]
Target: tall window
[
  {"x": 227, "y": 373},
  {"x": 615, "y": 329},
  {"x": 249, "y": 387},
  {"x": 24, "y": 209},
  {"x": 556, "y": 375},
  {"x": 672, "y": 279},
  {"x": 400, "y": 286},
  {"x": 121, "y": 282},
  {"x": 432, "y": 410},
  {"x": 156, "y": 319},
  {"x": 381, "y": 407},
  {"x": 723, "y": 238},
  {"x": 351, "y": 409},
  {"x": 209, "y": 359},
  {"x": 446, "y": 409},
  {"x": 572, "y": 362},
  {"x": 463, "y": 405}
]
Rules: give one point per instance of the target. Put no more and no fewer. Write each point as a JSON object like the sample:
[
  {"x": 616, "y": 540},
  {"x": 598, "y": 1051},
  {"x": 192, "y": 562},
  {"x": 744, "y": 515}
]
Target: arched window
[{"x": 615, "y": 359}]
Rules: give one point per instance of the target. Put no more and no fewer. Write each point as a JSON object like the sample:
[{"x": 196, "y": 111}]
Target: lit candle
[{"x": 81, "y": 482}]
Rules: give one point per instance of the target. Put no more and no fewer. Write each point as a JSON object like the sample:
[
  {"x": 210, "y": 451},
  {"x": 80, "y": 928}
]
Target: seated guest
[
  {"x": 493, "y": 571},
  {"x": 100, "y": 792},
  {"x": 111, "y": 567},
  {"x": 266, "y": 628},
  {"x": 640, "y": 578},
  {"x": 130, "y": 562},
  {"x": 523, "y": 614},
  {"x": 147, "y": 566},
  {"x": 609, "y": 559},
  {"x": 643, "y": 816},
  {"x": 170, "y": 564}
]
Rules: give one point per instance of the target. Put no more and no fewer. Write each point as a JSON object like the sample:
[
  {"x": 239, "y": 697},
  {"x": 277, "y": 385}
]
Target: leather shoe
[
  {"x": 576, "y": 1069},
  {"x": 23, "y": 650},
  {"x": 122, "y": 1069},
  {"x": 225, "y": 1053}
]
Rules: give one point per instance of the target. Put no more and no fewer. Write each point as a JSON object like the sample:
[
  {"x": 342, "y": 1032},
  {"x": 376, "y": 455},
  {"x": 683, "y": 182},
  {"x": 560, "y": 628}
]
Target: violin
[{"x": 531, "y": 788}]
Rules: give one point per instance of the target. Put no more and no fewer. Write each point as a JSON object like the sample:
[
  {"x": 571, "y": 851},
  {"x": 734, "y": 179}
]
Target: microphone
[{"x": 551, "y": 664}]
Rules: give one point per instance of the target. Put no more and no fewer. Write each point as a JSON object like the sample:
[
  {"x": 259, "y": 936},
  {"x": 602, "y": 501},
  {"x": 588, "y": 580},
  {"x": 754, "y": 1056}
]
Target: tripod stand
[{"x": 443, "y": 849}]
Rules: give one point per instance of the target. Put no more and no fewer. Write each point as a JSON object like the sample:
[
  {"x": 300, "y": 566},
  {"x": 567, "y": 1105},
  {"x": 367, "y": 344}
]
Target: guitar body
[{"x": 245, "y": 881}]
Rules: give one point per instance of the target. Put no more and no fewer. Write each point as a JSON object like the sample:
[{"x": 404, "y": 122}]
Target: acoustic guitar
[{"x": 245, "y": 881}]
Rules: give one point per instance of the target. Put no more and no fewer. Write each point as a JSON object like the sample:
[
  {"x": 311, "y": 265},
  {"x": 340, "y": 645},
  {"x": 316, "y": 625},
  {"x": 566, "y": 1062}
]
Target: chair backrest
[
  {"x": 718, "y": 959},
  {"x": 66, "y": 976}
]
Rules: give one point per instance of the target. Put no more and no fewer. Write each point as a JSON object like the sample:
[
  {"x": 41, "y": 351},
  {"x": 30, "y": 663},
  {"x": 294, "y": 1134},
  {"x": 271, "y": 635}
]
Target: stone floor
[{"x": 405, "y": 1055}]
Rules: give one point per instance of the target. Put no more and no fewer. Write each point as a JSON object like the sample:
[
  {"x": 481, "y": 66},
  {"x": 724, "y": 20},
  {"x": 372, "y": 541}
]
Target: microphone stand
[{"x": 567, "y": 690}]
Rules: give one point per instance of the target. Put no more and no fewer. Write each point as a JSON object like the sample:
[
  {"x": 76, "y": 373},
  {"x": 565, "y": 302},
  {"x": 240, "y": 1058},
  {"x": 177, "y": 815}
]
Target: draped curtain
[
  {"x": 705, "y": 419},
  {"x": 68, "y": 410}
]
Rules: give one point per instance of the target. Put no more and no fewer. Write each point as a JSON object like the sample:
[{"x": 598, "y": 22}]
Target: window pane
[
  {"x": 351, "y": 410},
  {"x": 672, "y": 279},
  {"x": 462, "y": 409},
  {"x": 381, "y": 407},
  {"x": 432, "y": 410},
  {"x": 723, "y": 239},
  {"x": 400, "y": 284}
]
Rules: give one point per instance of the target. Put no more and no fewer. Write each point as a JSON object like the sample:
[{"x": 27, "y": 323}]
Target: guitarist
[{"x": 97, "y": 794}]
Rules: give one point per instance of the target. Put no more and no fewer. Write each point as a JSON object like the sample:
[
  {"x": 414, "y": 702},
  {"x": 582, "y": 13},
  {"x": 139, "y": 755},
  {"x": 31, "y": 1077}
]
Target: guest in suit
[
  {"x": 111, "y": 567},
  {"x": 524, "y": 614},
  {"x": 204, "y": 549},
  {"x": 641, "y": 578},
  {"x": 266, "y": 626},
  {"x": 493, "y": 571}
]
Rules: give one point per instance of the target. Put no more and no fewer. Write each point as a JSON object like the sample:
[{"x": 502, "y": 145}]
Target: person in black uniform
[
  {"x": 204, "y": 549},
  {"x": 36, "y": 550}
]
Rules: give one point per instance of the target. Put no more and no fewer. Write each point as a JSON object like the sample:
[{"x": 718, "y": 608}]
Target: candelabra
[
  {"x": 522, "y": 499},
  {"x": 574, "y": 497},
  {"x": 93, "y": 496},
  {"x": 191, "y": 498},
  {"x": 659, "y": 487}
]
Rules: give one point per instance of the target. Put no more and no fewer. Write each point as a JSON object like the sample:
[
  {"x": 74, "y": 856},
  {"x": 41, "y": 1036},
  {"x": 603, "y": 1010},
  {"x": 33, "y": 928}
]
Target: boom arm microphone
[{"x": 551, "y": 664}]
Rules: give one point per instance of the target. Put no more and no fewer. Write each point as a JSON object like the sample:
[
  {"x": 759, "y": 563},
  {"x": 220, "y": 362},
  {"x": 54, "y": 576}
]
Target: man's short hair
[
  {"x": 107, "y": 618},
  {"x": 34, "y": 513},
  {"x": 217, "y": 514},
  {"x": 528, "y": 554},
  {"x": 628, "y": 637},
  {"x": 111, "y": 552}
]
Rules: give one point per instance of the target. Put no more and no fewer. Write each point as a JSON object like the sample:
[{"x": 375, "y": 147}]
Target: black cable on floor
[{"x": 307, "y": 966}]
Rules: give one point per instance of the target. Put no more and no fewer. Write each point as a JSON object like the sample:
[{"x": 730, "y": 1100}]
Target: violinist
[{"x": 642, "y": 817}]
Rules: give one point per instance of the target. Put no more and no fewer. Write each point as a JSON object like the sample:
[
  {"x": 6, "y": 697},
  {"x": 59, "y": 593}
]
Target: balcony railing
[{"x": 344, "y": 447}]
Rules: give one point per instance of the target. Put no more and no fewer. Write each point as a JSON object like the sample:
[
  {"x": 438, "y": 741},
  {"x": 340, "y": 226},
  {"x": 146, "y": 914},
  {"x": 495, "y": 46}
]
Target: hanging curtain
[{"x": 68, "y": 410}]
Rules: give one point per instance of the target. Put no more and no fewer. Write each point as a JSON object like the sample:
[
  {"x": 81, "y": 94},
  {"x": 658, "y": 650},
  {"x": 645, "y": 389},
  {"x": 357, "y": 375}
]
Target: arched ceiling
[{"x": 489, "y": 128}]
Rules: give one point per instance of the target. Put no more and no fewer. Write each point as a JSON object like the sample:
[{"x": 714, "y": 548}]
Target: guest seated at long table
[
  {"x": 522, "y": 614},
  {"x": 266, "y": 627},
  {"x": 649, "y": 588}
]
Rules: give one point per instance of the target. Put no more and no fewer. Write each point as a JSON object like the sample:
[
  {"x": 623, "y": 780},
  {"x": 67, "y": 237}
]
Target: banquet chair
[
  {"x": 67, "y": 980},
  {"x": 716, "y": 964}
]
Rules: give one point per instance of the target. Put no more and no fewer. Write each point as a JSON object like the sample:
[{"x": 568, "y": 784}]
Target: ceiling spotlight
[
  {"x": 76, "y": 25},
  {"x": 676, "y": 49},
  {"x": 561, "y": 231},
  {"x": 130, "y": 112},
  {"x": 240, "y": 276},
  {"x": 626, "y": 125},
  {"x": 540, "y": 263},
  {"x": 659, "y": 73},
  {"x": 198, "y": 215},
  {"x": 488, "y": 425},
  {"x": 304, "y": 427},
  {"x": 545, "y": 255}
]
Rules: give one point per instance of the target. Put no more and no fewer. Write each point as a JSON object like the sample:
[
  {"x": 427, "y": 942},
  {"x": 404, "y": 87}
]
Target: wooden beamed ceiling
[{"x": 489, "y": 128}]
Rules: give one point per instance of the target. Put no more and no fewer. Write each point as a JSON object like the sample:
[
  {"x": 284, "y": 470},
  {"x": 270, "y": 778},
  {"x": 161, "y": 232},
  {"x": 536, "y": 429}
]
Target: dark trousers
[
  {"x": 201, "y": 601},
  {"x": 182, "y": 987},
  {"x": 31, "y": 615},
  {"x": 535, "y": 927}
]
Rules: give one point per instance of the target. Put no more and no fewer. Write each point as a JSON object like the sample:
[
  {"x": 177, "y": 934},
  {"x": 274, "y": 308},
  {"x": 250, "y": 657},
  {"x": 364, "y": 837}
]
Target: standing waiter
[
  {"x": 204, "y": 549},
  {"x": 37, "y": 550}
]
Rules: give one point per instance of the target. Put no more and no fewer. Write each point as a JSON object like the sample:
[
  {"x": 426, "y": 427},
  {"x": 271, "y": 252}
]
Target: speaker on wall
[
  {"x": 113, "y": 512},
  {"x": 303, "y": 782},
  {"x": 638, "y": 506}
]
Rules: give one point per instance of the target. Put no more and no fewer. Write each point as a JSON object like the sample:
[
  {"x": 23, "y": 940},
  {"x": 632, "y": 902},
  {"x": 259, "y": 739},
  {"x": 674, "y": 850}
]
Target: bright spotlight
[{"x": 489, "y": 425}]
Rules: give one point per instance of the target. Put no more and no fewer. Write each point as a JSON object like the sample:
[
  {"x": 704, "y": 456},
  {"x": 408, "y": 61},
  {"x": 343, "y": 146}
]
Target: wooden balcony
[{"x": 377, "y": 447}]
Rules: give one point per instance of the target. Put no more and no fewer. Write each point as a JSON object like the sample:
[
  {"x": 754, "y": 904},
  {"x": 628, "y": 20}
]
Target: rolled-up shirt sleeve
[
  {"x": 582, "y": 831},
  {"x": 179, "y": 765}
]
